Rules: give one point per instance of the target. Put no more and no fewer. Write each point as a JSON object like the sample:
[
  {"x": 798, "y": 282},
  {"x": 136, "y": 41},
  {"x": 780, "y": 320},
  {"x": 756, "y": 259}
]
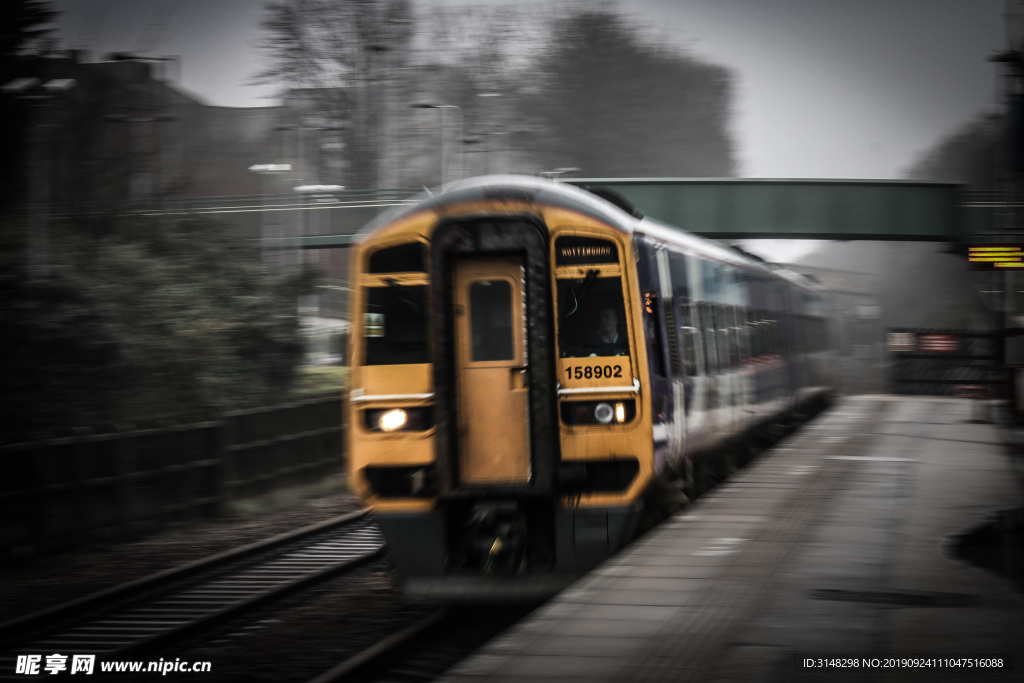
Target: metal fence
[
  {"x": 67, "y": 492},
  {"x": 942, "y": 362}
]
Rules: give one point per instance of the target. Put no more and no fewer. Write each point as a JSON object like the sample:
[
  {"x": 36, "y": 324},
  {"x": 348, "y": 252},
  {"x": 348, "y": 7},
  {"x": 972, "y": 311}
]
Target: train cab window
[
  {"x": 405, "y": 258},
  {"x": 490, "y": 318},
  {"x": 591, "y": 317},
  {"x": 395, "y": 325}
]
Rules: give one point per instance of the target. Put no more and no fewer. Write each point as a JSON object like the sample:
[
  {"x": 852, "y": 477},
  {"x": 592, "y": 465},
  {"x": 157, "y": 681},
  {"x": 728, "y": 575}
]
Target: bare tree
[
  {"x": 336, "y": 53},
  {"x": 974, "y": 154},
  {"x": 476, "y": 50},
  {"x": 610, "y": 100},
  {"x": 492, "y": 46}
]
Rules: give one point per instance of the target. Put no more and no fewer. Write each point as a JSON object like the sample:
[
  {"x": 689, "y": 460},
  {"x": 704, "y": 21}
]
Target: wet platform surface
[{"x": 835, "y": 547}]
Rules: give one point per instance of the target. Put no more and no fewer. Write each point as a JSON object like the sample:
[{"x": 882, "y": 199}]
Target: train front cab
[{"x": 503, "y": 448}]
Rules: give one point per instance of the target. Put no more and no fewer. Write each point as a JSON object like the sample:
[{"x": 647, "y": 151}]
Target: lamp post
[
  {"x": 311, "y": 195},
  {"x": 444, "y": 147},
  {"x": 556, "y": 173},
  {"x": 305, "y": 174},
  {"x": 1012, "y": 60},
  {"x": 264, "y": 170},
  {"x": 489, "y": 97},
  {"x": 377, "y": 90}
]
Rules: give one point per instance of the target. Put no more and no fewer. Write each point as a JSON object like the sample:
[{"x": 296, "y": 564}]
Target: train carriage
[{"x": 532, "y": 367}]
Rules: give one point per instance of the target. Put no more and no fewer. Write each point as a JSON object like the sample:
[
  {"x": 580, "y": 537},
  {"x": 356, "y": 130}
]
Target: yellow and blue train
[{"x": 534, "y": 367}]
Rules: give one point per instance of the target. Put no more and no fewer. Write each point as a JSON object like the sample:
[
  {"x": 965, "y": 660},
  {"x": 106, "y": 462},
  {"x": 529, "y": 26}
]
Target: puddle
[{"x": 997, "y": 545}]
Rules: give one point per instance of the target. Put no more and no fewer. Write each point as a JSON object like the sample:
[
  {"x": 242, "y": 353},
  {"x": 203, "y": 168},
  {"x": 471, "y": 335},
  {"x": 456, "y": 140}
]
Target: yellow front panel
[
  {"x": 605, "y": 378},
  {"x": 390, "y": 380},
  {"x": 386, "y": 386}
]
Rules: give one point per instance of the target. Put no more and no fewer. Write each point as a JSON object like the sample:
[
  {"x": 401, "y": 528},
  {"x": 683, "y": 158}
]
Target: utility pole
[
  {"x": 1010, "y": 351},
  {"x": 41, "y": 150}
]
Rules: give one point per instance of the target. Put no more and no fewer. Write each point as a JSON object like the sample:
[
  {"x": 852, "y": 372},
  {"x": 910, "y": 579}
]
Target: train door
[{"x": 491, "y": 370}]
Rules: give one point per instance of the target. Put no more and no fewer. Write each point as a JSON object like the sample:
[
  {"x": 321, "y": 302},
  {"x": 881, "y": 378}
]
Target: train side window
[
  {"x": 743, "y": 334},
  {"x": 687, "y": 342},
  {"x": 711, "y": 280},
  {"x": 724, "y": 322},
  {"x": 759, "y": 345},
  {"x": 490, "y": 320},
  {"x": 736, "y": 335},
  {"x": 729, "y": 334},
  {"x": 678, "y": 277},
  {"x": 395, "y": 325},
  {"x": 683, "y": 344},
  {"x": 652, "y": 304},
  {"x": 708, "y": 336}
]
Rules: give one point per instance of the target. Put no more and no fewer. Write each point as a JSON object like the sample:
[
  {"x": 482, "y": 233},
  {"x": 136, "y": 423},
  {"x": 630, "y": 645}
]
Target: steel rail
[
  {"x": 379, "y": 650},
  {"x": 103, "y": 599}
]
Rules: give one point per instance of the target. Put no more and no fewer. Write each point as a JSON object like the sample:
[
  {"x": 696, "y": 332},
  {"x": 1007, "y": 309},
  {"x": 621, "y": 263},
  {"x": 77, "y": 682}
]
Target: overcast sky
[{"x": 824, "y": 88}]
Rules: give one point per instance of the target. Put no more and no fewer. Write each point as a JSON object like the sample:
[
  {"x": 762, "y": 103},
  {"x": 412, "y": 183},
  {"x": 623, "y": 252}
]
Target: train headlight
[
  {"x": 411, "y": 419},
  {"x": 391, "y": 420},
  {"x": 603, "y": 413}
]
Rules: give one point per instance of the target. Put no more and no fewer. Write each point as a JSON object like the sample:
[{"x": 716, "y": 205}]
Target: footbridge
[{"x": 730, "y": 208}]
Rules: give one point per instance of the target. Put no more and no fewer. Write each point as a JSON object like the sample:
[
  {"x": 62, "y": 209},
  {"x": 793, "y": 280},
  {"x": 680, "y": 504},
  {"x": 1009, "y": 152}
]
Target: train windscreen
[
  {"x": 591, "y": 318},
  {"x": 395, "y": 325}
]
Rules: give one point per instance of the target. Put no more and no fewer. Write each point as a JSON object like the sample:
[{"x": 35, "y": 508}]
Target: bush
[{"x": 153, "y": 318}]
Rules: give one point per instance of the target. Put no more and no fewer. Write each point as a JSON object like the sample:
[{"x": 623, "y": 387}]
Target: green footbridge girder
[
  {"x": 735, "y": 208},
  {"x": 738, "y": 208}
]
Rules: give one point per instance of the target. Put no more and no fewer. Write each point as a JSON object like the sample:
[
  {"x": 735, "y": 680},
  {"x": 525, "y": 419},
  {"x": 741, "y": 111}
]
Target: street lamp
[
  {"x": 444, "y": 157},
  {"x": 311, "y": 194},
  {"x": 309, "y": 305},
  {"x": 490, "y": 96},
  {"x": 306, "y": 173},
  {"x": 377, "y": 91},
  {"x": 559, "y": 172},
  {"x": 265, "y": 170}
]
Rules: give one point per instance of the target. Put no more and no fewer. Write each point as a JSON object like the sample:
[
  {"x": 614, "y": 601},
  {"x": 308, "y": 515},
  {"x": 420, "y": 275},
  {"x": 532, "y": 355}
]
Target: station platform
[{"x": 828, "y": 558}]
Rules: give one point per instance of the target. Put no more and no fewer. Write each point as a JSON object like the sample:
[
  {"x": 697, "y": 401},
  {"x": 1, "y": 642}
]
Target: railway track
[
  {"x": 152, "y": 612},
  {"x": 427, "y": 648}
]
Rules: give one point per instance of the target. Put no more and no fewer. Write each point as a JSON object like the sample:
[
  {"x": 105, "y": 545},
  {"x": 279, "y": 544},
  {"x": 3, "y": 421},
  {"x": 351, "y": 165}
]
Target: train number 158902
[{"x": 593, "y": 371}]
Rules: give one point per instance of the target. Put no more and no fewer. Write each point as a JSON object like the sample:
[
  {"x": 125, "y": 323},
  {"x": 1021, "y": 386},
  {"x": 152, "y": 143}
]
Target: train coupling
[{"x": 497, "y": 532}]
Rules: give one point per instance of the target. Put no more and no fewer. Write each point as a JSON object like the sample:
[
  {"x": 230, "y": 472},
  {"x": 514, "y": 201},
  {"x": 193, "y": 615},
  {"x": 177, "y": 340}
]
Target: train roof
[
  {"x": 523, "y": 187},
  {"x": 620, "y": 216}
]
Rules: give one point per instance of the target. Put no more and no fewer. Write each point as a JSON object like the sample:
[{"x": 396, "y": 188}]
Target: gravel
[
  {"x": 293, "y": 639},
  {"x": 299, "y": 638}
]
